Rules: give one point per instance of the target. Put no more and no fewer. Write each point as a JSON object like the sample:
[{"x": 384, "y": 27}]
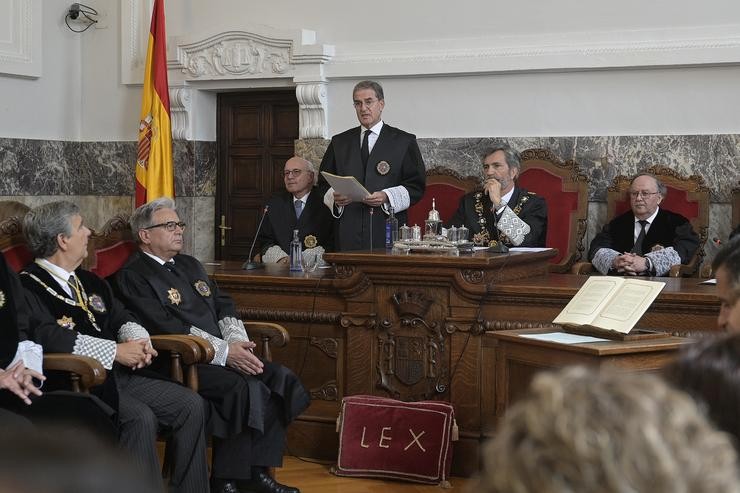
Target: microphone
[{"x": 249, "y": 265}]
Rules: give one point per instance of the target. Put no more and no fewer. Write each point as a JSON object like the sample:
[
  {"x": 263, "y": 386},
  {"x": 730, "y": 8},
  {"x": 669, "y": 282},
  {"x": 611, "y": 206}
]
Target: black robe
[
  {"x": 533, "y": 212},
  {"x": 59, "y": 406},
  {"x": 405, "y": 166},
  {"x": 668, "y": 229},
  {"x": 316, "y": 220},
  {"x": 249, "y": 412}
]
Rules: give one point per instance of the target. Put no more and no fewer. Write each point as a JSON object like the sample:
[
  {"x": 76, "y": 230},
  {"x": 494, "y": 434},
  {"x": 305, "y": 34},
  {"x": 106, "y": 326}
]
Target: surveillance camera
[{"x": 74, "y": 11}]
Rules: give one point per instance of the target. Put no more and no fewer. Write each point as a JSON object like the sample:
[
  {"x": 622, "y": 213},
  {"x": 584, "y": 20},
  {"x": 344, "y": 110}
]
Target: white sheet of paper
[
  {"x": 709, "y": 281},
  {"x": 563, "y": 338},
  {"x": 347, "y": 185}
]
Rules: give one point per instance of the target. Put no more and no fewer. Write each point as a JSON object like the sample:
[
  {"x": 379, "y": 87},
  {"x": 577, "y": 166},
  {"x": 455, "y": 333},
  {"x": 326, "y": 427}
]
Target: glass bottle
[
  {"x": 295, "y": 253},
  {"x": 391, "y": 228}
]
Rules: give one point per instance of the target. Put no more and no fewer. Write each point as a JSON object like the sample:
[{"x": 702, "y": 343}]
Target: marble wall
[{"x": 99, "y": 175}]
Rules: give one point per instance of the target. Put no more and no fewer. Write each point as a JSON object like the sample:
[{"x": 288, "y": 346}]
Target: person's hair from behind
[
  {"x": 709, "y": 370},
  {"x": 581, "y": 431},
  {"x": 58, "y": 460},
  {"x": 43, "y": 224},
  {"x": 728, "y": 258}
]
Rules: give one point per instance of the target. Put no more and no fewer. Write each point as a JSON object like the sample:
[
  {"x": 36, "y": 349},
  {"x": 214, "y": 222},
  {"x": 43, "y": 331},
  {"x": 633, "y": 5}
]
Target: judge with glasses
[
  {"x": 297, "y": 207},
  {"x": 646, "y": 240}
]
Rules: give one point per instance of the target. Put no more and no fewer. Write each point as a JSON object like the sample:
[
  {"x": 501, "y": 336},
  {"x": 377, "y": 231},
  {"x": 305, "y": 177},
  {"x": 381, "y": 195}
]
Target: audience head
[
  {"x": 368, "y": 99},
  {"x": 726, "y": 268},
  {"x": 578, "y": 430},
  {"x": 502, "y": 163},
  {"x": 709, "y": 370},
  {"x": 158, "y": 228},
  {"x": 646, "y": 193},
  {"x": 56, "y": 230},
  {"x": 300, "y": 176},
  {"x": 61, "y": 461}
]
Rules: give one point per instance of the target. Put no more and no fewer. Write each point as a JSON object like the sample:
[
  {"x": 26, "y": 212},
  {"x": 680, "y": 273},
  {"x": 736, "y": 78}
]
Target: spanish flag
[{"x": 154, "y": 170}]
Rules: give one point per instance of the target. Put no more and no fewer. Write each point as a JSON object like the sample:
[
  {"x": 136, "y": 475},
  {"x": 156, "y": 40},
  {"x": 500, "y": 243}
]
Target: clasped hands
[
  {"x": 375, "y": 199},
  {"x": 242, "y": 357},
  {"x": 135, "y": 354},
  {"x": 19, "y": 380},
  {"x": 630, "y": 264}
]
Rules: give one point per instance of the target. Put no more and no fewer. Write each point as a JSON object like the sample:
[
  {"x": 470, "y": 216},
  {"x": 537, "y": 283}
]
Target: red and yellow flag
[{"x": 154, "y": 170}]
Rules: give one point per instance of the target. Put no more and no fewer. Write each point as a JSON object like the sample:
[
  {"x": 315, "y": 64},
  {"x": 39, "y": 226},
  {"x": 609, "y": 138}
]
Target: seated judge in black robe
[
  {"x": 252, "y": 401},
  {"x": 300, "y": 207},
  {"x": 91, "y": 322},
  {"x": 502, "y": 212},
  {"x": 621, "y": 248},
  {"x": 21, "y": 361}
]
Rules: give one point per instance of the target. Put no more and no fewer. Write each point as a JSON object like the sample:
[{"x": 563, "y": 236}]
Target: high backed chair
[
  {"x": 446, "y": 187},
  {"x": 565, "y": 190},
  {"x": 687, "y": 196},
  {"x": 109, "y": 248}
]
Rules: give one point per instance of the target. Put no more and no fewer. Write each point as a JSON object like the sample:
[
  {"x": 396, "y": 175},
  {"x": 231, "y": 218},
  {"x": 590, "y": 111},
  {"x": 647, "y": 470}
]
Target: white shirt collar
[
  {"x": 157, "y": 259},
  {"x": 375, "y": 128},
  {"x": 302, "y": 199},
  {"x": 651, "y": 218},
  {"x": 60, "y": 275},
  {"x": 506, "y": 198}
]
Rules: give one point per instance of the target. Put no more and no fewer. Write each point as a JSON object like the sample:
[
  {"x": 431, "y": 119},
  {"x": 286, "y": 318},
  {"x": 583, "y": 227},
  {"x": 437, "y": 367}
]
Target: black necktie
[
  {"x": 640, "y": 238},
  {"x": 365, "y": 149}
]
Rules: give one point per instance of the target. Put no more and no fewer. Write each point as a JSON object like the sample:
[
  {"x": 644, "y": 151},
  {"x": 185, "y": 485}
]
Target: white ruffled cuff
[
  {"x": 31, "y": 354},
  {"x": 329, "y": 202},
  {"x": 220, "y": 346},
  {"x": 398, "y": 197},
  {"x": 273, "y": 254},
  {"x": 102, "y": 350},
  {"x": 131, "y": 331},
  {"x": 233, "y": 329}
]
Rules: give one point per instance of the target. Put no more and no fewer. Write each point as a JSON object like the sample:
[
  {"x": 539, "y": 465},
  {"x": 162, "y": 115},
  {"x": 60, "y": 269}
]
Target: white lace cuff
[
  {"x": 31, "y": 354},
  {"x": 233, "y": 329},
  {"x": 273, "y": 254},
  {"x": 329, "y": 202},
  {"x": 663, "y": 260},
  {"x": 604, "y": 259},
  {"x": 131, "y": 331},
  {"x": 513, "y": 227},
  {"x": 102, "y": 350},
  {"x": 398, "y": 197},
  {"x": 219, "y": 345}
]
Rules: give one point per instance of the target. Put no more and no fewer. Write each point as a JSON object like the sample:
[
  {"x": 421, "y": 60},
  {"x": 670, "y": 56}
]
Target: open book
[
  {"x": 346, "y": 185},
  {"x": 610, "y": 303}
]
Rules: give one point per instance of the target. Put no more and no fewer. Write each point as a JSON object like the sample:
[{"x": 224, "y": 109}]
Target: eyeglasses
[
  {"x": 369, "y": 103},
  {"x": 292, "y": 172},
  {"x": 169, "y": 226},
  {"x": 646, "y": 195}
]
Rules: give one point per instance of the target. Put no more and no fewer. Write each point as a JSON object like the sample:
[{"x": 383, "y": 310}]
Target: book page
[
  {"x": 589, "y": 300},
  {"x": 346, "y": 185},
  {"x": 628, "y": 304}
]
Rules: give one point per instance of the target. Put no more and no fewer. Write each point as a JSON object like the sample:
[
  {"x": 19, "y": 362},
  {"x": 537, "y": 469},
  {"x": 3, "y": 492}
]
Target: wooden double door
[{"x": 256, "y": 135}]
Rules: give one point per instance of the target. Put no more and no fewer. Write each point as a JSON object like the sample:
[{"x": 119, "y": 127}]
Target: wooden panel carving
[
  {"x": 327, "y": 345},
  {"x": 327, "y": 392}
]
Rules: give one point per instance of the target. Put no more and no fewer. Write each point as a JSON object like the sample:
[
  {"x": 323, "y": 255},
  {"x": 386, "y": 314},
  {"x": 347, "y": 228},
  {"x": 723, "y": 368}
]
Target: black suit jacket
[
  {"x": 668, "y": 229},
  {"x": 315, "y": 220},
  {"x": 533, "y": 212},
  {"x": 397, "y": 148}
]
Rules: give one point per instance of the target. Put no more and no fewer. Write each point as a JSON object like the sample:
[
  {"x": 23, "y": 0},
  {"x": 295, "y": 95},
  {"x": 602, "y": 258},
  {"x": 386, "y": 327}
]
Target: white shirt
[
  {"x": 649, "y": 220},
  {"x": 373, "y": 137},
  {"x": 60, "y": 275}
]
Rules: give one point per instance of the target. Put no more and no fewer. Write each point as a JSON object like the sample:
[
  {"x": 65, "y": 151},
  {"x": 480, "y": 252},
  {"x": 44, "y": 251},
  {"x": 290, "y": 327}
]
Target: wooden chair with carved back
[
  {"x": 565, "y": 190},
  {"x": 686, "y": 195},
  {"x": 446, "y": 187}
]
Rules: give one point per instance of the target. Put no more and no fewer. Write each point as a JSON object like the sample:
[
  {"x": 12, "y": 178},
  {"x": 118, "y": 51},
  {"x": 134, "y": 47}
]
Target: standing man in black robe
[
  {"x": 252, "y": 401},
  {"x": 386, "y": 160}
]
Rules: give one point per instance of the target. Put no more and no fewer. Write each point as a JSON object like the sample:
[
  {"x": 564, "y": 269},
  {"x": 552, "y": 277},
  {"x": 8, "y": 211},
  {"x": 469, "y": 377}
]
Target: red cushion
[
  {"x": 18, "y": 257},
  {"x": 675, "y": 201},
  {"x": 561, "y": 205},
  {"x": 381, "y": 437},
  {"x": 447, "y": 200},
  {"x": 109, "y": 260}
]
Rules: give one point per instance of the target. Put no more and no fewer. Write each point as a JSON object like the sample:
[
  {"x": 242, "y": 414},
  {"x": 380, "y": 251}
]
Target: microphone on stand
[{"x": 249, "y": 265}]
